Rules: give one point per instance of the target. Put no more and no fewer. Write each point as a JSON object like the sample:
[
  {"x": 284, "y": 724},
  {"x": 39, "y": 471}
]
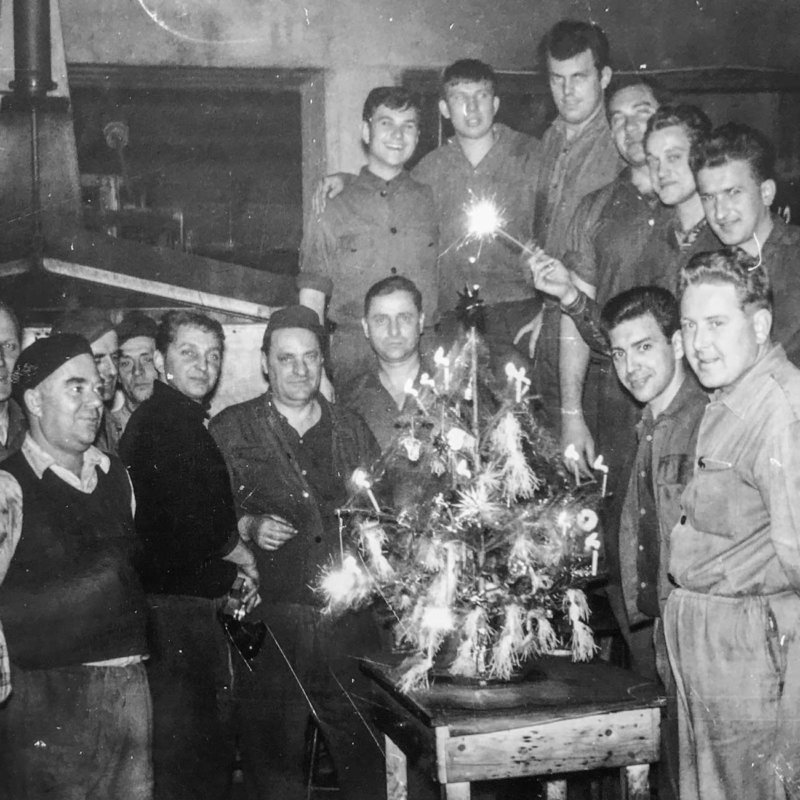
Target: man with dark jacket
[
  {"x": 290, "y": 455},
  {"x": 78, "y": 721},
  {"x": 13, "y": 424}
]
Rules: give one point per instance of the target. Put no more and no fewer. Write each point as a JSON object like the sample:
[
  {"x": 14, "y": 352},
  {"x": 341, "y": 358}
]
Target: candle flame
[
  {"x": 571, "y": 453},
  {"x": 600, "y": 465},
  {"x": 361, "y": 479}
]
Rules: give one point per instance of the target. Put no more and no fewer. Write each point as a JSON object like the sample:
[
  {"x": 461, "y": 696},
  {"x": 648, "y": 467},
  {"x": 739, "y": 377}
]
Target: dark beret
[{"x": 42, "y": 358}]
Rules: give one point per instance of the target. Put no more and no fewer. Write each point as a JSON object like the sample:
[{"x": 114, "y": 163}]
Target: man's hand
[
  {"x": 552, "y": 277},
  {"x": 328, "y": 187},
  {"x": 575, "y": 431},
  {"x": 268, "y": 531},
  {"x": 250, "y": 596}
]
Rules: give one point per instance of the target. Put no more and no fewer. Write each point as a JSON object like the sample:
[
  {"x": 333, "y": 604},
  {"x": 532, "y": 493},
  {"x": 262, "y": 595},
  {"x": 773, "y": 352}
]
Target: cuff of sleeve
[
  {"x": 577, "y": 306},
  {"x": 316, "y": 281}
]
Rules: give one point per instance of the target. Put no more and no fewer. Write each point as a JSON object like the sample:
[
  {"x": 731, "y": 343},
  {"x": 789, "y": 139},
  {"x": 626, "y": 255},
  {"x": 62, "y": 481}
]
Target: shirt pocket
[{"x": 711, "y": 500}]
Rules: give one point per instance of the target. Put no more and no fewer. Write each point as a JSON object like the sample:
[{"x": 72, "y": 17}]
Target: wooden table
[{"x": 567, "y": 718}]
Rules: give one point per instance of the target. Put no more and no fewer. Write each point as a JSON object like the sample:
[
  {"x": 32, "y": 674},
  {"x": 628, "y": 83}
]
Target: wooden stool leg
[
  {"x": 556, "y": 790},
  {"x": 637, "y": 782},
  {"x": 396, "y": 772},
  {"x": 456, "y": 791}
]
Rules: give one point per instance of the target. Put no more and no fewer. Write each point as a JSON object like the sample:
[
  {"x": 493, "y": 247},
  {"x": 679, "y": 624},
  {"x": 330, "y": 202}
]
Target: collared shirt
[
  {"x": 372, "y": 400},
  {"x": 570, "y": 169},
  {"x": 373, "y": 229},
  {"x": 11, "y": 498},
  {"x": 660, "y": 470},
  {"x": 739, "y": 532},
  {"x": 608, "y": 234},
  {"x": 507, "y": 175}
]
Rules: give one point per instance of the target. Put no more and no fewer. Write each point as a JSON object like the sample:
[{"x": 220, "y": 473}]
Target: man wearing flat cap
[
  {"x": 136, "y": 336},
  {"x": 70, "y": 601},
  {"x": 96, "y": 327},
  {"x": 290, "y": 454}
]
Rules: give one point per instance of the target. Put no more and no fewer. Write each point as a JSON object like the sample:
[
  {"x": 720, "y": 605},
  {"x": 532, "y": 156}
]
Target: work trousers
[
  {"x": 77, "y": 733},
  {"x": 738, "y": 685},
  {"x": 306, "y": 668},
  {"x": 190, "y": 679}
]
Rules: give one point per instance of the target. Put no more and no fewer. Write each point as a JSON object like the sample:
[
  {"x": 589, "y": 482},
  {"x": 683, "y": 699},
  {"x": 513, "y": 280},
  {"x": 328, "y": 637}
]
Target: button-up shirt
[
  {"x": 739, "y": 532},
  {"x": 660, "y": 470},
  {"x": 570, "y": 169},
  {"x": 508, "y": 176},
  {"x": 372, "y": 230}
]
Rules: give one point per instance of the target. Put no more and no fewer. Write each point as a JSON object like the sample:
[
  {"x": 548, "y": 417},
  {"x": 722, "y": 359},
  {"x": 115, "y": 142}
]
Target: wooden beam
[{"x": 195, "y": 297}]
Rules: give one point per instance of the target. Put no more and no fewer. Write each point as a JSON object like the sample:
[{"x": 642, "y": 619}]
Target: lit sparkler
[
  {"x": 361, "y": 480},
  {"x": 485, "y": 220}
]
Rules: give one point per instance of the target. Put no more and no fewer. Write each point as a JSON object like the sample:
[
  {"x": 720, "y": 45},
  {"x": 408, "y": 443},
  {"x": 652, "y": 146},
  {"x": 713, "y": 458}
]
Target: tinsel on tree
[{"x": 470, "y": 529}]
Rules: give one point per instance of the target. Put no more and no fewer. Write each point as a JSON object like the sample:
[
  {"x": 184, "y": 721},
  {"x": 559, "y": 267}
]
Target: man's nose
[{"x": 721, "y": 207}]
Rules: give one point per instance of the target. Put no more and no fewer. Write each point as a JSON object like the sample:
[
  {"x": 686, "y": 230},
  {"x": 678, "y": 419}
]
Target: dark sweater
[
  {"x": 185, "y": 516},
  {"x": 71, "y": 594}
]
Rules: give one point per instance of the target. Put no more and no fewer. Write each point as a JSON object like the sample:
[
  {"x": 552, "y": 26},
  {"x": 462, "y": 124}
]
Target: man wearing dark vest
[
  {"x": 78, "y": 721},
  {"x": 12, "y": 421}
]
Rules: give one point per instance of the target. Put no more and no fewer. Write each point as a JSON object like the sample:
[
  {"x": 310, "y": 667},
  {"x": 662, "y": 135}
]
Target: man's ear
[
  {"x": 365, "y": 328},
  {"x": 158, "y": 362},
  {"x": 762, "y": 324},
  {"x": 444, "y": 110},
  {"x": 32, "y": 400},
  {"x": 768, "y": 189},
  {"x": 265, "y": 364},
  {"x": 677, "y": 345},
  {"x": 421, "y": 325},
  {"x": 495, "y": 104},
  {"x": 365, "y": 132},
  {"x": 605, "y": 77}
]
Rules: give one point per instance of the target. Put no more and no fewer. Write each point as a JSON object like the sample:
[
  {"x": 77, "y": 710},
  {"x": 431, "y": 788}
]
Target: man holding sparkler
[
  {"x": 382, "y": 224},
  {"x": 732, "y": 622},
  {"x": 643, "y": 327},
  {"x": 290, "y": 454}
]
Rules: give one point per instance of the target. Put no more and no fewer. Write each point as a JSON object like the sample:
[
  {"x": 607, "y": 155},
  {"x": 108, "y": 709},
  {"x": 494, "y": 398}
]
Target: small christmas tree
[{"x": 488, "y": 540}]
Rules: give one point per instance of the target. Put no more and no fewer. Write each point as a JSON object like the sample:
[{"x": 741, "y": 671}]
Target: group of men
[
  {"x": 655, "y": 245},
  {"x": 623, "y": 200}
]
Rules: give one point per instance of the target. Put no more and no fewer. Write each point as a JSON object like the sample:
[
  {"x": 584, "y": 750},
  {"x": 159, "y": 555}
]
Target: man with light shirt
[
  {"x": 733, "y": 622},
  {"x": 71, "y": 604}
]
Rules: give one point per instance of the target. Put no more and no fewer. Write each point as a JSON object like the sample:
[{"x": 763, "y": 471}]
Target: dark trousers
[
  {"x": 311, "y": 663},
  {"x": 190, "y": 680},
  {"x": 76, "y": 733}
]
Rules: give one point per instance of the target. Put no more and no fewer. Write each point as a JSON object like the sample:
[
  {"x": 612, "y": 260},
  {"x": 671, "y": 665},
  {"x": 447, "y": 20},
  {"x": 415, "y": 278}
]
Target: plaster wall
[{"x": 361, "y": 44}]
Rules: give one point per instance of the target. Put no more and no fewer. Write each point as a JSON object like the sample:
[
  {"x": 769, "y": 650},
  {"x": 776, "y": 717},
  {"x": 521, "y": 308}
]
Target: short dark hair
[
  {"x": 397, "y": 98},
  {"x": 692, "y": 119},
  {"x": 14, "y": 318},
  {"x": 394, "y": 283},
  {"x": 467, "y": 70},
  {"x": 730, "y": 265},
  {"x": 173, "y": 320},
  {"x": 736, "y": 142},
  {"x": 620, "y": 82},
  {"x": 571, "y": 37},
  {"x": 639, "y": 301}
]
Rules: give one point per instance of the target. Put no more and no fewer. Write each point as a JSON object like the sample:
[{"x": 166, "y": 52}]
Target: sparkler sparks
[{"x": 485, "y": 220}]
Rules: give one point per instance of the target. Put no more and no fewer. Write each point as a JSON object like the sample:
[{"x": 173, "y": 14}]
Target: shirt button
[
  {"x": 683, "y": 519},
  {"x": 641, "y": 548},
  {"x": 651, "y": 222},
  {"x": 392, "y": 230},
  {"x": 642, "y": 585},
  {"x": 393, "y": 270},
  {"x": 649, "y": 437},
  {"x": 642, "y": 512},
  {"x": 303, "y": 472},
  {"x": 317, "y": 539},
  {"x": 384, "y": 192},
  {"x": 642, "y": 474},
  {"x": 305, "y": 494}
]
